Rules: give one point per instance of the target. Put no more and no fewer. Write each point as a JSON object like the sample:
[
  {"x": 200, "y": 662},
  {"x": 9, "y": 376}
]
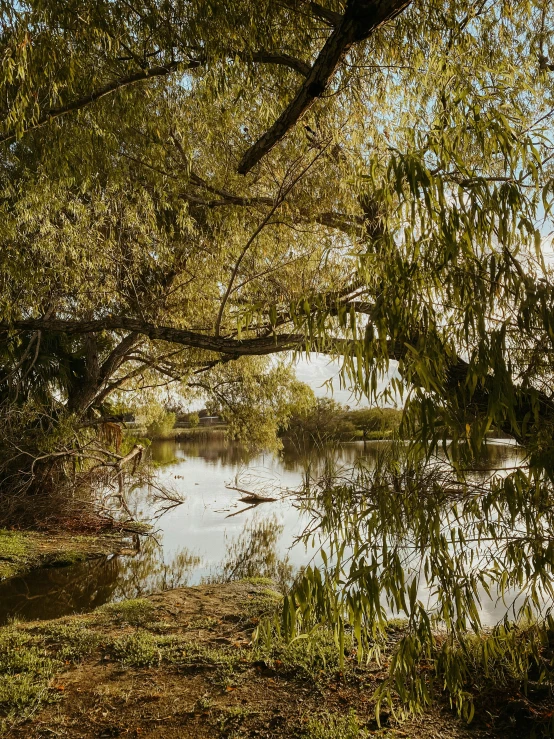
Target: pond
[{"x": 211, "y": 535}]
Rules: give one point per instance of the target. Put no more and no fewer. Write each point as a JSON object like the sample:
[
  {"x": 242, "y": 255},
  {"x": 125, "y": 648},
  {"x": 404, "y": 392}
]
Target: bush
[{"x": 161, "y": 427}]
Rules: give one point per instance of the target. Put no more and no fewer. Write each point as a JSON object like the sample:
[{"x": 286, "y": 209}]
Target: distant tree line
[{"x": 327, "y": 420}]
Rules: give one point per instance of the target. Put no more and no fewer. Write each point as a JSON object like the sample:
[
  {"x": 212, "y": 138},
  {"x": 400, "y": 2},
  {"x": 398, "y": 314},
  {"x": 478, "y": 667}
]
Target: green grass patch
[
  {"x": 208, "y": 623},
  {"x": 140, "y": 649},
  {"x": 72, "y": 641},
  {"x": 135, "y": 612},
  {"x": 335, "y": 726},
  {"x": 262, "y": 604},
  {"x": 65, "y": 558},
  {"x": 314, "y": 656},
  {"x": 22, "y": 551},
  {"x": 26, "y": 671},
  {"x": 144, "y": 649},
  {"x": 17, "y": 551},
  {"x": 231, "y": 719},
  {"x": 259, "y": 581}
]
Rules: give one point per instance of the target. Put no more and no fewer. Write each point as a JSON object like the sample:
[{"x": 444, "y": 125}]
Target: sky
[{"x": 319, "y": 368}]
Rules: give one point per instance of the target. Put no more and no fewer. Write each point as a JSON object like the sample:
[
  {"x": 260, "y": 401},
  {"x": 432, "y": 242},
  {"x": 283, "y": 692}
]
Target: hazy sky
[{"x": 319, "y": 368}]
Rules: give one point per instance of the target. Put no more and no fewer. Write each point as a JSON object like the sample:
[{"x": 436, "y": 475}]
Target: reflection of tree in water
[
  {"x": 211, "y": 450},
  {"x": 55, "y": 592},
  {"x": 316, "y": 461},
  {"x": 254, "y": 554},
  {"x": 58, "y": 591},
  {"x": 149, "y": 571},
  {"x": 163, "y": 451}
]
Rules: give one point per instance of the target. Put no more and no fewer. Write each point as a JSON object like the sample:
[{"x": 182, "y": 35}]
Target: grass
[
  {"x": 72, "y": 641},
  {"x": 120, "y": 666},
  {"x": 335, "y": 726},
  {"x": 230, "y": 720},
  {"x": 140, "y": 649},
  {"x": 265, "y": 603},
  {"x": 135, "y": 612},
  {"x": 17, "y": 552},
  {"x": 314, "y": 657},
  {"x": 26, "y": 671},
  {"x": 31, "y": 655},
  {"x": 203, "y": 622}
]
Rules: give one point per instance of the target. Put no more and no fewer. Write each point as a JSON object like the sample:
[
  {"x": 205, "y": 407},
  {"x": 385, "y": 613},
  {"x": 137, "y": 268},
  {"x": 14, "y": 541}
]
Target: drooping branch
[
  {"x": 527, "y": 401},
  {"x": 142, "y": 76},
  {"x": 361, "y": 19}
]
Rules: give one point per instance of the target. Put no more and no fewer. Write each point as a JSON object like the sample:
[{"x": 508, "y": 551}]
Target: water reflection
[
  {"x": 197, "y": 541},
  {"x": 254, "y": 553},
  {"x": 215, "y": 451},
  {"x": 403, "y": 532},
  {"x": 57, "y": 591}
]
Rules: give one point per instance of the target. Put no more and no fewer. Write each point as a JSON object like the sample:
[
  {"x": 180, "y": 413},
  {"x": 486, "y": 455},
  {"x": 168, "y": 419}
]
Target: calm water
[{"x": 210, "y": 536}]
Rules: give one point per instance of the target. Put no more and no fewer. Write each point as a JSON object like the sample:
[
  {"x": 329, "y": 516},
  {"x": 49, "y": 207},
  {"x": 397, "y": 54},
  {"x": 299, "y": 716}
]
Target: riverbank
[
  {"x": 182, "y": 664},
  {"x": 23, "y": 551}
]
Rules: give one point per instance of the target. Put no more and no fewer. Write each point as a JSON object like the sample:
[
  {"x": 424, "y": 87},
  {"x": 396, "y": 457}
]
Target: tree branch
[
  {"x": 232, "y": 347},
  {"x": 324, "y": 14},
  {"x": 111, "y": 87},
  {"x": 361, "y": 19},
  {"x": 330, "y": 17},
  {"x": 261, "y": 57},
  {"x": 284, "y": 60}
]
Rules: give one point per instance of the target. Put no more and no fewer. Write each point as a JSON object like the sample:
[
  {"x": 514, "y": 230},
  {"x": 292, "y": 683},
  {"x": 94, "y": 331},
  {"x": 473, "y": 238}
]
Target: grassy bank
[
  {"x": 182, "y": 663},
  {"x": 199, "y": 433},
  {"x": 21, "y": 551}
]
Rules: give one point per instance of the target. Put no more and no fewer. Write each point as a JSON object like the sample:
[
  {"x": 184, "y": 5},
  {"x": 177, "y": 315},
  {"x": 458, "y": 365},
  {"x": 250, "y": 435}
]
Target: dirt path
[{"x": 182, "y": 664}]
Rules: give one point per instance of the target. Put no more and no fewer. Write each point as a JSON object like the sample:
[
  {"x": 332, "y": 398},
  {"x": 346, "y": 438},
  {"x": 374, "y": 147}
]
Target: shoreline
[{"x": 24, "y": 551}]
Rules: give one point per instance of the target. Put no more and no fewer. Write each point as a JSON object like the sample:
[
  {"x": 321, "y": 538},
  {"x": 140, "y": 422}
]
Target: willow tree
[
  {"x": 186, "y": 184},
  {"x": 164, "y": 210}
]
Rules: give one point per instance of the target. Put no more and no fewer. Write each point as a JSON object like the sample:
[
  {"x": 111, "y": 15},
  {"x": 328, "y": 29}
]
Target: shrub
[{"x": 161, "y": 427}]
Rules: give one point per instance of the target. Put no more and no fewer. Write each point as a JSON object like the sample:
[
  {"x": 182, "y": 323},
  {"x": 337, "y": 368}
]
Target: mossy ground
[
  {"x": 21, "y": 551},
  {"x": 182, "y": 664}
]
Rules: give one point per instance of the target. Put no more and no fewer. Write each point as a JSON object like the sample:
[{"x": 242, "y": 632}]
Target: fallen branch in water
[{"x": 250, "y": 497}]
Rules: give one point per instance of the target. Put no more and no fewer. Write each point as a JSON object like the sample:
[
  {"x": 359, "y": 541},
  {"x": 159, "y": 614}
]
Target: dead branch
[{"x": 250, "y": 497}]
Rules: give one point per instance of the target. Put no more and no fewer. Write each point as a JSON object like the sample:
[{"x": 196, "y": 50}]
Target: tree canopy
[{"x": 185, "y": 183}]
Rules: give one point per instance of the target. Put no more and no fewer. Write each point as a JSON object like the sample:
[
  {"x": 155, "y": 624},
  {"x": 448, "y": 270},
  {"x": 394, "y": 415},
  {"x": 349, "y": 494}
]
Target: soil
[{"x": 207, "y": 679}]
